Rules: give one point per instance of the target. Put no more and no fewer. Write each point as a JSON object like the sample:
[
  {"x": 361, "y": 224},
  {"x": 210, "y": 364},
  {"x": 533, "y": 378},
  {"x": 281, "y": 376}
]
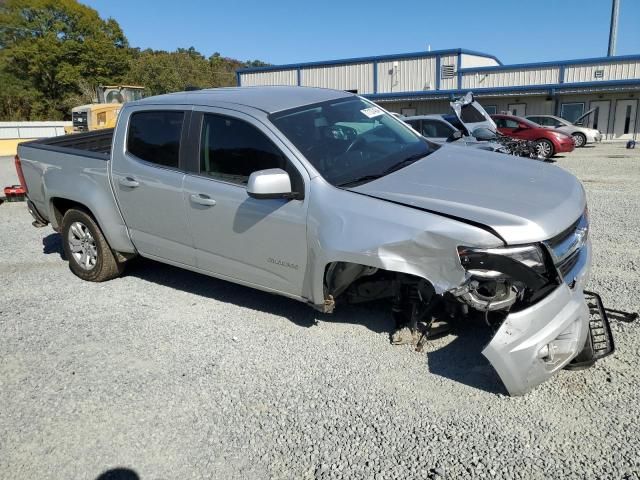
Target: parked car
[
  {"x": 548, "y": 142},
  {"x": 321, "y": 196},
  {"x": 437, "y": 129},
  {"x": 581, "y": 135}
]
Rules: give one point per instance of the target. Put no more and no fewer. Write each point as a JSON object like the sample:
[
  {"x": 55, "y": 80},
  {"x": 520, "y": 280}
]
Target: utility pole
[{"x": 613, "y": 32}]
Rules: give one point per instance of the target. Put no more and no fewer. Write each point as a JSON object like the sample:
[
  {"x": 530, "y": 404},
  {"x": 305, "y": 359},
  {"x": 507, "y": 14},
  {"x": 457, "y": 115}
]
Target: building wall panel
[
  {"x": 449, "y": 83},
  {"x": 279, "y": 77},
  {"x": 358, "y": 76},
  {"x": 610, "y": 71},
  {"x": 471, "y": 61},
  {"x": 410, "y": 75},
  {"x": 511, "y": 78}
]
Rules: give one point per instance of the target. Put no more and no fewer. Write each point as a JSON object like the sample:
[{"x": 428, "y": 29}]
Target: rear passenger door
[
  {"x": 147, "y": 177},
  {"x": 262, "y": 242}
]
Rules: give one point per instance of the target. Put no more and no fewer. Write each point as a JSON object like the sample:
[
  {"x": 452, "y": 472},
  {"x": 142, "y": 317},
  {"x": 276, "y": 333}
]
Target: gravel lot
[{"x": 172, "y": 374}]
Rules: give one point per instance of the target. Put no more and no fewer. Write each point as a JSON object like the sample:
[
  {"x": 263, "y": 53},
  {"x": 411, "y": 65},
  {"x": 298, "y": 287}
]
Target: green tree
[
  {"x": 51, "y": 49},
  {"x": 163, "y": 72}
]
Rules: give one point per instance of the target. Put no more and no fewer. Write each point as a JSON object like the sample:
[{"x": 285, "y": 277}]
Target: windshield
[{"x": 351, "y": 141}]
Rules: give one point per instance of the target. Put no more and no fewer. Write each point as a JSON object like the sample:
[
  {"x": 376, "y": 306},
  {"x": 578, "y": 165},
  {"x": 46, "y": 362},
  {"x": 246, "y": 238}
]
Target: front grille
[
  {"x": 79, "y": 120},
  {"x": 567, "y": 246},
  {"x": 568, "y": 263}
]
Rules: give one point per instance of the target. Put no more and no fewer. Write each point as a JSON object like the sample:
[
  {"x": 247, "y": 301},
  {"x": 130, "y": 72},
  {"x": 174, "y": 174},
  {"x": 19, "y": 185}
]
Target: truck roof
[{"x": 268, "y": 99}]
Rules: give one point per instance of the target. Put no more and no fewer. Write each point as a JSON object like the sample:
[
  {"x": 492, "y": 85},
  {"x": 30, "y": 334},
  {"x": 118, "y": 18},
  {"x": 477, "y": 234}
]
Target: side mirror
[
  {"x": 484, "y": 134},
  {"x": 271, "y": 183},
  {"x": 456, "y": 135}
]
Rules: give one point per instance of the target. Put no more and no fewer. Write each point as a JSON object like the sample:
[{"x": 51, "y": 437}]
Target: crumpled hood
[{"x": 523, "y": 200}]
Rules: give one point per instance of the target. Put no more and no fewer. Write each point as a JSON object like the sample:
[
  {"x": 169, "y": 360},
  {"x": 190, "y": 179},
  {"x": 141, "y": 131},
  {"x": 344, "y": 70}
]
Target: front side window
[
  {"x": 571, "y": 111},
  {"x": 351, "y": 141},
  {"x": 232, "y": 149},
  {"x": 508, "y": 123},
  {"x": 436, "y": 129},
  {"x": 154, "y": 136}
]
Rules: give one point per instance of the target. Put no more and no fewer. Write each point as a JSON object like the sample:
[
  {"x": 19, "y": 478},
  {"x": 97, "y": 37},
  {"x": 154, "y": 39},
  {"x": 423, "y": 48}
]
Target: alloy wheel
[{"x": 82, "y": 245}]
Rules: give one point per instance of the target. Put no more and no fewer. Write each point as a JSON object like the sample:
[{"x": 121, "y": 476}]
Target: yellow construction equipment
[{"x": 104, "y": 113}]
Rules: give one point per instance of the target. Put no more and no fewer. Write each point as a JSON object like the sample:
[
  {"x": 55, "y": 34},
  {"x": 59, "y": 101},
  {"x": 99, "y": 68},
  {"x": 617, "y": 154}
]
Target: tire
[
  {"x": 545, "y": 148},
  {"x": 88, "y": 252},
  {"x": 579, "y": 139}
]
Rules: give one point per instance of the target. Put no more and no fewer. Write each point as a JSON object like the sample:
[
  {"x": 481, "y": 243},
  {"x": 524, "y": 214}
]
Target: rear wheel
[
  {"x": 88, "y": 252},
  {"x": 579, "y": 139},
  {"x": 544, "y": 148}
]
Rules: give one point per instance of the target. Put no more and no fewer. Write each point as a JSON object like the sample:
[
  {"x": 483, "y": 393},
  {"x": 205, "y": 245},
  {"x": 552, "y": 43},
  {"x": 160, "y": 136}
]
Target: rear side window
[
  {"x": 436, "y": 129},
  {"x": 155, "y": 136},
  {"x": 232, "y": 149},
  {"x": 471, "y": 115}
]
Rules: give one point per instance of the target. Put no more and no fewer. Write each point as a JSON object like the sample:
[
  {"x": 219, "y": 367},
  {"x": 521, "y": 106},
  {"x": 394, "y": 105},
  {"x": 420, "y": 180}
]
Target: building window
[
  {"x": 490, "y": 109},
  {"x": 598, "y": 73},
  {"x": 571, "y": 111},
  {"x": 627, "y": 119}
]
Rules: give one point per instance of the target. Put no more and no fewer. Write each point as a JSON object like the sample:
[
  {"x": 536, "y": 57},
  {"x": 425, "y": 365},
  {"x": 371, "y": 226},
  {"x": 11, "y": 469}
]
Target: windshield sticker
[{"x": 372, "y": 112}]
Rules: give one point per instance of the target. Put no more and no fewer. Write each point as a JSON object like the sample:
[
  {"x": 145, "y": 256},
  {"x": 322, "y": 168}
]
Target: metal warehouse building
[{"x": 424, "y": 82}]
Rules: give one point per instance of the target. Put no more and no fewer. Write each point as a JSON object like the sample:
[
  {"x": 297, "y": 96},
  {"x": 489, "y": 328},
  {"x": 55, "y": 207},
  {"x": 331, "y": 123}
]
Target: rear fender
[{"x": 90, "y": 189}]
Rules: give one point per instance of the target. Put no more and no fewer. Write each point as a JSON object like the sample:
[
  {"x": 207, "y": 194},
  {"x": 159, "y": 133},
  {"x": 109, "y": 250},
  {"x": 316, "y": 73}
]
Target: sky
[{"x": 288, "y": 31}]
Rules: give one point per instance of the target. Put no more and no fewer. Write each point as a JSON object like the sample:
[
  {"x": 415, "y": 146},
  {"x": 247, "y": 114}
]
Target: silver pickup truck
[{"x": 322, "y": 196}]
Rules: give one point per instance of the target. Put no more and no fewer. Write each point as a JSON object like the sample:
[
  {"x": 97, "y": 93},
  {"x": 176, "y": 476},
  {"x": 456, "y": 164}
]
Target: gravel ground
[{"x": 172, "y": 374}]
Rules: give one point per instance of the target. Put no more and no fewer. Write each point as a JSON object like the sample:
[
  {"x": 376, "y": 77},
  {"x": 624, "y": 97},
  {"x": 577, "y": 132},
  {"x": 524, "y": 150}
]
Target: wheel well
[
  {"x": 62, "y": 205},
  {"x": 362, "y": 282}
]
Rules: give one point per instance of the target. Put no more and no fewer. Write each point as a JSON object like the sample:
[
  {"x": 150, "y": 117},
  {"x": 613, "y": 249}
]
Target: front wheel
[
  {"x": 579, "y": 139},
  {"x": 544, "y": 148},
  {"x": 88, "y": 252}
]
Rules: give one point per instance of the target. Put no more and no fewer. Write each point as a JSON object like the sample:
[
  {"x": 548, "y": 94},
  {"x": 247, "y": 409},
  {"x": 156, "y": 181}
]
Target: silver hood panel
[{"x": 522, "y": 200}]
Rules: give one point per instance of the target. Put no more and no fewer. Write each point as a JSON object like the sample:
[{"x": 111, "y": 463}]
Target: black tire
[
  {"x": 545, "y": 148},
  {"x": 104, "y": 265},
  {"x": 579, "y": 139}
]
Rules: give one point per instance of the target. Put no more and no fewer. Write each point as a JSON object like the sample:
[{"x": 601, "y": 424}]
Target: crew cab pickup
[{"x": 322, "y": 196}]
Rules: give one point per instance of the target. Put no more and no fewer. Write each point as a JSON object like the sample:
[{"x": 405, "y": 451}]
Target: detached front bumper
[{"x": 532, "y": 344}]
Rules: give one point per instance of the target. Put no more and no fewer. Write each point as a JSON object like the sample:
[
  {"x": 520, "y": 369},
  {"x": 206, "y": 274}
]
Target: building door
[
  {"x": 599, "y": 119},
  {"x": 624, "y": 123},
  {"x": 518, "y": 109}
]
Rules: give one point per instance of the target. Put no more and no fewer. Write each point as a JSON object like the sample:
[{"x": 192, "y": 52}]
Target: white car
[{"x": 581, "y": 135}]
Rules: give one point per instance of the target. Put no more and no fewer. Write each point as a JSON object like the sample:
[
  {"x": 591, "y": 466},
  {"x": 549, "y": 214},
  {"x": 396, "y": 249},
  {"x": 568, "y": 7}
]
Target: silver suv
[{"x": 581, "y": 135}]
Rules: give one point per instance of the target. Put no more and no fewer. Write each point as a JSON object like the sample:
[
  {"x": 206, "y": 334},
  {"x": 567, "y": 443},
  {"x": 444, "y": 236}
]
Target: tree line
[{"x": 53, "y": 54}]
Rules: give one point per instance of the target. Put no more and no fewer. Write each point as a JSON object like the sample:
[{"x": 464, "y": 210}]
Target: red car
[{"x": 548, "y": 142}]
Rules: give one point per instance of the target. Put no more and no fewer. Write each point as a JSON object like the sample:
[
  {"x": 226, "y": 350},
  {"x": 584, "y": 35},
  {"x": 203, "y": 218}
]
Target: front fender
[{"x": 348, "y": 227}]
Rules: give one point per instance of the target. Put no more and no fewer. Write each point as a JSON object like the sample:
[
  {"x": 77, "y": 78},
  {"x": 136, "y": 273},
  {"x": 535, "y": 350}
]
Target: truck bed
[{"x": 96, "y": 144}]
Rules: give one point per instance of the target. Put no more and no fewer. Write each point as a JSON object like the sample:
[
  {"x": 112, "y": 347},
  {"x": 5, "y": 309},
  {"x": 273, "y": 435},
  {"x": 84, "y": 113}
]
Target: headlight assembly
[
  {"x": 485, "y": 262},
  {"x": 498, "y": 275}
]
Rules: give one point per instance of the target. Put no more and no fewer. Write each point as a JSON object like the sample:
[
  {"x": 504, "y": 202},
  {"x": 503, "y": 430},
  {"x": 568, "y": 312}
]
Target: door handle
[
  {"x": 202, "y": 199},
  {"x": 128, "y": 182}
]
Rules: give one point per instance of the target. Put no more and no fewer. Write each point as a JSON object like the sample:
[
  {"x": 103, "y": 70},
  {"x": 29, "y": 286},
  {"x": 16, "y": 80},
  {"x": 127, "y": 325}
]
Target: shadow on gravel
[
  {"x": 462, "y": 360},
  {"x": 53, "y": 244},
  {"x": 118, "y": 474},
  {"x": 296, "y": 312}
]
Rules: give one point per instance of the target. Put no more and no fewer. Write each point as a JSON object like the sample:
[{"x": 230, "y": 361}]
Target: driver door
[{"x": 260, "y": 242}]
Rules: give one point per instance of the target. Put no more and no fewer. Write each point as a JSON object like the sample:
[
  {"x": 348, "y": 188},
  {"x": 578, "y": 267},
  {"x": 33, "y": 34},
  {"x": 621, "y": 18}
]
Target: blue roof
[{"x": 376, "y": 58}]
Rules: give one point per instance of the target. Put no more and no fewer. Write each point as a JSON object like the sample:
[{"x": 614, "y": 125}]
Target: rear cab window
[{"x": 154, "y": 136}]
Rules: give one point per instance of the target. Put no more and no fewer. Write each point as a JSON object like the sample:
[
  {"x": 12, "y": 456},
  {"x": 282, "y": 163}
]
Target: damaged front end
[{"x": 539, "y": 290}]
